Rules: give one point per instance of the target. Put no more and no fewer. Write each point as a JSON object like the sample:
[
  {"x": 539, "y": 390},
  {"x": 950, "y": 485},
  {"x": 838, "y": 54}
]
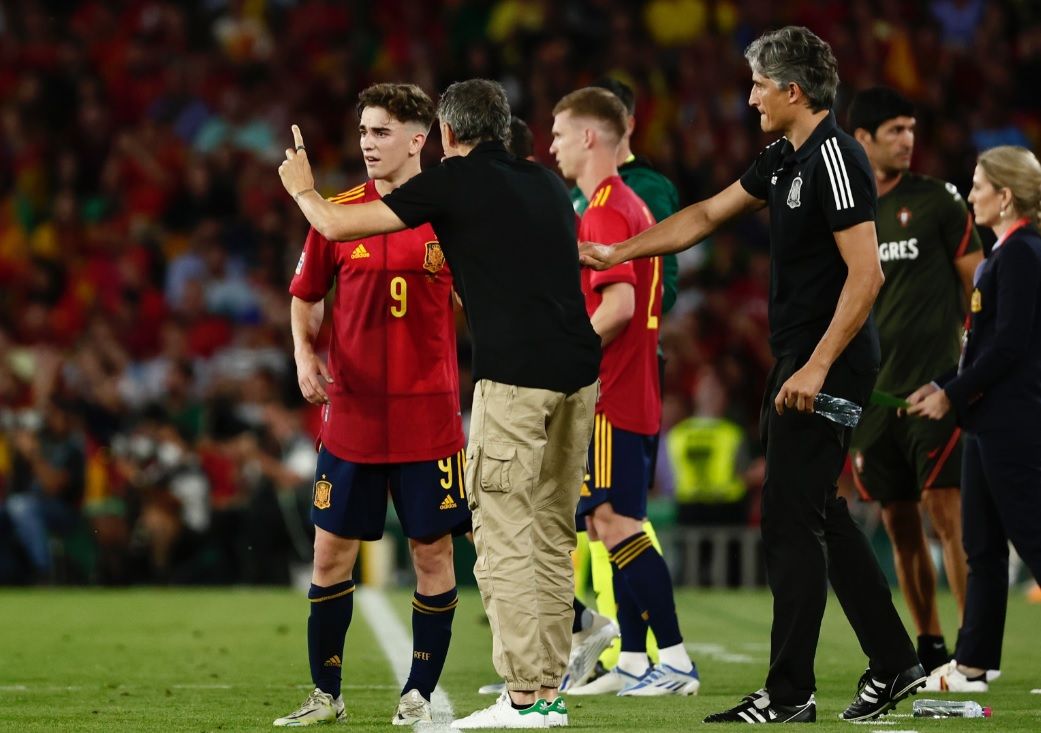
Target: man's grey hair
[
  {"x": 795, "y": 54},
  {"x": 477, "y": 110}
]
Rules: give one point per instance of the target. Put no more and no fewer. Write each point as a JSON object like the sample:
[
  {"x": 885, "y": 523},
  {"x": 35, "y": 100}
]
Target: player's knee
[
  {"x": 903, "y": 522},
  {"x": 432, "y": 559},
  {"x": 944, "y": 508},
  {"x": 612, "y": 528},
  {"x": 334, "y": 558}
]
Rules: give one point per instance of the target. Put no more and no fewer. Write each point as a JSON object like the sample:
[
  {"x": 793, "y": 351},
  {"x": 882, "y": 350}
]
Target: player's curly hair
[
  {"x": 795, "y": 54},
  {"x": 404, "y": 102}
]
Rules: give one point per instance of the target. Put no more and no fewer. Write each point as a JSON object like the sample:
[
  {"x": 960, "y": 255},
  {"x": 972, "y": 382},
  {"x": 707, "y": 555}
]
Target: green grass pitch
[{"x": 235, "y": 659}]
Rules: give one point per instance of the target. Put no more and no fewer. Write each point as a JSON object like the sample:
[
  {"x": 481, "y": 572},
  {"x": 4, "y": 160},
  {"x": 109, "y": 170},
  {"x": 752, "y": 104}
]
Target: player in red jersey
[
  {"x": 624, "y": 305},
  {"x": 391, "y": 417}
]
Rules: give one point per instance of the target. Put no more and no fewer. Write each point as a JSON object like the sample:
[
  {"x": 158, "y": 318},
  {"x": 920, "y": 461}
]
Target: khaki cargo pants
[{"x": 525, "y": 463}]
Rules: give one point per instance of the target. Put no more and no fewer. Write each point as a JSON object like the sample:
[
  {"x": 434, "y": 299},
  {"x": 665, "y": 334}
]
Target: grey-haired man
[{"x": 825, "y": 274}]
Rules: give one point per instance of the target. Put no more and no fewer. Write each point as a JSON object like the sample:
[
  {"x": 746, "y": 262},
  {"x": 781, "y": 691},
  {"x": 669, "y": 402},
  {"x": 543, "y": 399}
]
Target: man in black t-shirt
[
  {"x": 507, "y": 229},
  {"x": 825, "y": 274}
]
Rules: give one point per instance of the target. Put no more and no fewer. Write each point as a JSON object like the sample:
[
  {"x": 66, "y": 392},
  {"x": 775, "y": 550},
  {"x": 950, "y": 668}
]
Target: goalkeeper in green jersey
[{"x": 929, "y": 250}]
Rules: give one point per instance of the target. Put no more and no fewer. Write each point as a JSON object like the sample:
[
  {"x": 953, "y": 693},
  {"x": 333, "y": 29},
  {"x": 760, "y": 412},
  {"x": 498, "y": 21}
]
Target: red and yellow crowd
[{"x": 151, "y": 427}]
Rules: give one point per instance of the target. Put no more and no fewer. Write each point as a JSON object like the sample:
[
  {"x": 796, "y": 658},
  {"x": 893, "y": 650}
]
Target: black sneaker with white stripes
[
  {"x": 757, "y": 708},
  {"x": 877, "y": 695}
]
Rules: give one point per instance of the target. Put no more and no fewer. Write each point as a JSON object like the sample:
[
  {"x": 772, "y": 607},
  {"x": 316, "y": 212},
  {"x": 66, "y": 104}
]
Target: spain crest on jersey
[
  {"x": 434, "y": 258},
  {"x": 323, "y": 492},
  {"x": 904, "y": 216}
]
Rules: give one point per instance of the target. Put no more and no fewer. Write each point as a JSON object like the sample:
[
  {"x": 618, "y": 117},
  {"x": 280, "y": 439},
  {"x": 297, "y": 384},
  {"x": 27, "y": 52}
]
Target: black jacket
[{"x": 998, "y": 386}]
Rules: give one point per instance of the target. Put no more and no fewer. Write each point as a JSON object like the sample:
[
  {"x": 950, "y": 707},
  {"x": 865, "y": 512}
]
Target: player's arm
[
  {"x": 966, "y": 266},
  {"x": 858, "y": 246},
  {"x": 312, "y": 374},
  {"x": 614, "y": 312},
  {"x": 335, "y": 223},
  {"x": 683, "y": 229},
  {"x": 959, "y": 237}
]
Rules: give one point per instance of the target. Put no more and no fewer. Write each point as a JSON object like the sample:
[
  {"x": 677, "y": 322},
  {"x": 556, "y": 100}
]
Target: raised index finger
[{"x": 298, "y": 138}]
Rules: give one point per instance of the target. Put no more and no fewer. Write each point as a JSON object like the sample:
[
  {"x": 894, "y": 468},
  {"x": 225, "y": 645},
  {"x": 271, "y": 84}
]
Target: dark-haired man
[
  {"x": 929, "y": 250},
  {"x": 391, "y": 421},
  {"x": 825, "y": 274},
  {"x": 508, "y": 231}
]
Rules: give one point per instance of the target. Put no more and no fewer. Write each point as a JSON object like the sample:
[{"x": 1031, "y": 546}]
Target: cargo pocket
[
  {"x": 498, "y": 467},
  {"x": 472, "y": 471}
]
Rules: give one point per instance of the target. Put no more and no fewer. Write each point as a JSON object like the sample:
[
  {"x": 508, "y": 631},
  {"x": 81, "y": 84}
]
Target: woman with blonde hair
[{"x": 996, "y": 395}]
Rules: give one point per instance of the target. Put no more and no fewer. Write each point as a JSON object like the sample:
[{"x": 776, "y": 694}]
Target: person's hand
[
  {"x": 597, "y": 256},
  {"x": 312, "y": 375},
  {"x": 295, "y": 170},
  {"x": 934, "y": 407},
  {"x": 800, "y": 389},
  {"x": 917, "y": 396}
]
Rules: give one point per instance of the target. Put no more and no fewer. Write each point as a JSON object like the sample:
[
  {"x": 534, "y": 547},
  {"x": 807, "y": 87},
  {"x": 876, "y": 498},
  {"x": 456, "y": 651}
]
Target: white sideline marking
[
  {"x": 1036, "y": 691},
  {"x": 719, "y": 653},
  {"x": 397, "y": 647}
]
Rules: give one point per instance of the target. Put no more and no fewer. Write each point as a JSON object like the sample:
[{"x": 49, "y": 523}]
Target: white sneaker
[
  {"x": 586, "y": 648},
  {"x": 661, "y": 679},
  {"x": 611, "y": 683},
  {"x": 947, "y": 678},
  {"x": 319, "y": 707},
  {"x": 412, "y": 708},
  {"x": 502, "y": 714},
  {"x": 556, "y": 713}
]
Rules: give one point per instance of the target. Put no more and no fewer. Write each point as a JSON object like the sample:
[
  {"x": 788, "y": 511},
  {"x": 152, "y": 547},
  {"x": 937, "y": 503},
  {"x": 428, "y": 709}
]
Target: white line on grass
[{"x": 397, "y": 647}]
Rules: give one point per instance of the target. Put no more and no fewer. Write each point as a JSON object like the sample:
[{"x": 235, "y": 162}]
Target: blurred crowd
[{"x": 150, "y": 424}]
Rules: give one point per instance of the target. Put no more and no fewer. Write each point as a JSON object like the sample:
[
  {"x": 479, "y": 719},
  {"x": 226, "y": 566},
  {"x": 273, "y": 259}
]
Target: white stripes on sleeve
[{"x": 837, "y": 174}]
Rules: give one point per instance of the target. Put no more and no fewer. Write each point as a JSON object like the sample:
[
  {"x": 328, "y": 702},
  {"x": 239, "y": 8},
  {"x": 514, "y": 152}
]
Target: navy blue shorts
[
  {"x": 619, "y": 471},
  {"x": 350, "y": 499}
]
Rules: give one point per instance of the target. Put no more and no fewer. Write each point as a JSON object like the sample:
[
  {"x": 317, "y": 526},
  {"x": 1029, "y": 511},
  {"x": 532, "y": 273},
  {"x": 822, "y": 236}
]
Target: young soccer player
[
  {"x": 624, "y": 304},
  {"x": 391, "y": 420}
]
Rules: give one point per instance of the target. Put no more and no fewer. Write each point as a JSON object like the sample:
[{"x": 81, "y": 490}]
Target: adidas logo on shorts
[{"x": 448, "y": 503}]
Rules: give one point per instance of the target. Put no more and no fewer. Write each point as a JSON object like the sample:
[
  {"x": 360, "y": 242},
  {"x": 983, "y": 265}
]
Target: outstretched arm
[
  {"x": 335, "y": 223},
  {"x": 683, "y": 229}
]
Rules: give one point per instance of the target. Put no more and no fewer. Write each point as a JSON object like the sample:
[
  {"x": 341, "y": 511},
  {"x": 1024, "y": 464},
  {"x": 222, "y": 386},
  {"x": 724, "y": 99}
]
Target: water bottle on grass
[
  {"x": 949, "y": 709},
  {"x": 837, "y": 409}
]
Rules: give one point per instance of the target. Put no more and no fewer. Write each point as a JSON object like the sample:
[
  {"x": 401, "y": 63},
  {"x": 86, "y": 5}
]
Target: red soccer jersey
[
  {"x": 392, "y": 356},
  {"x": 629, "y": 391}
]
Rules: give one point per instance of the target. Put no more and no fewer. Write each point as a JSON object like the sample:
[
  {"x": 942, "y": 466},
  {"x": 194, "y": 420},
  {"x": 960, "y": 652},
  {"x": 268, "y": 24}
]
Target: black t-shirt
[
  {"x": 508, "y": 232},
  {"x": 825, "y": 186}
]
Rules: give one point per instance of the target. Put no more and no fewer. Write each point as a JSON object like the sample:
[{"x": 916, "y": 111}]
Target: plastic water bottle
[
  {"x": 837, "y": 409},
  {"x": 949, "y": 709}
]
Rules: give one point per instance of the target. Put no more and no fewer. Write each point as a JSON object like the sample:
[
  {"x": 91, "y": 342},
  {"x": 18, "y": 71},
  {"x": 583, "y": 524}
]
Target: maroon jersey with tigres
[
  {"x": 392, "y": 357},
  {"x": 629, "y": 391}
]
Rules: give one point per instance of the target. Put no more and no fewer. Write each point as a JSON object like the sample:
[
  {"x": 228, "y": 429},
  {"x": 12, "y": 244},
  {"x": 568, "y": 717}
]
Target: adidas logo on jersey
[
  {"x": 448, "y": 503},
  {"x": 359, "y": 253}
]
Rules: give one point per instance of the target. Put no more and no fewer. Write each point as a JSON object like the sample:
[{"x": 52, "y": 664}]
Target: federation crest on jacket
[{"x": 795, "y": 193}]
